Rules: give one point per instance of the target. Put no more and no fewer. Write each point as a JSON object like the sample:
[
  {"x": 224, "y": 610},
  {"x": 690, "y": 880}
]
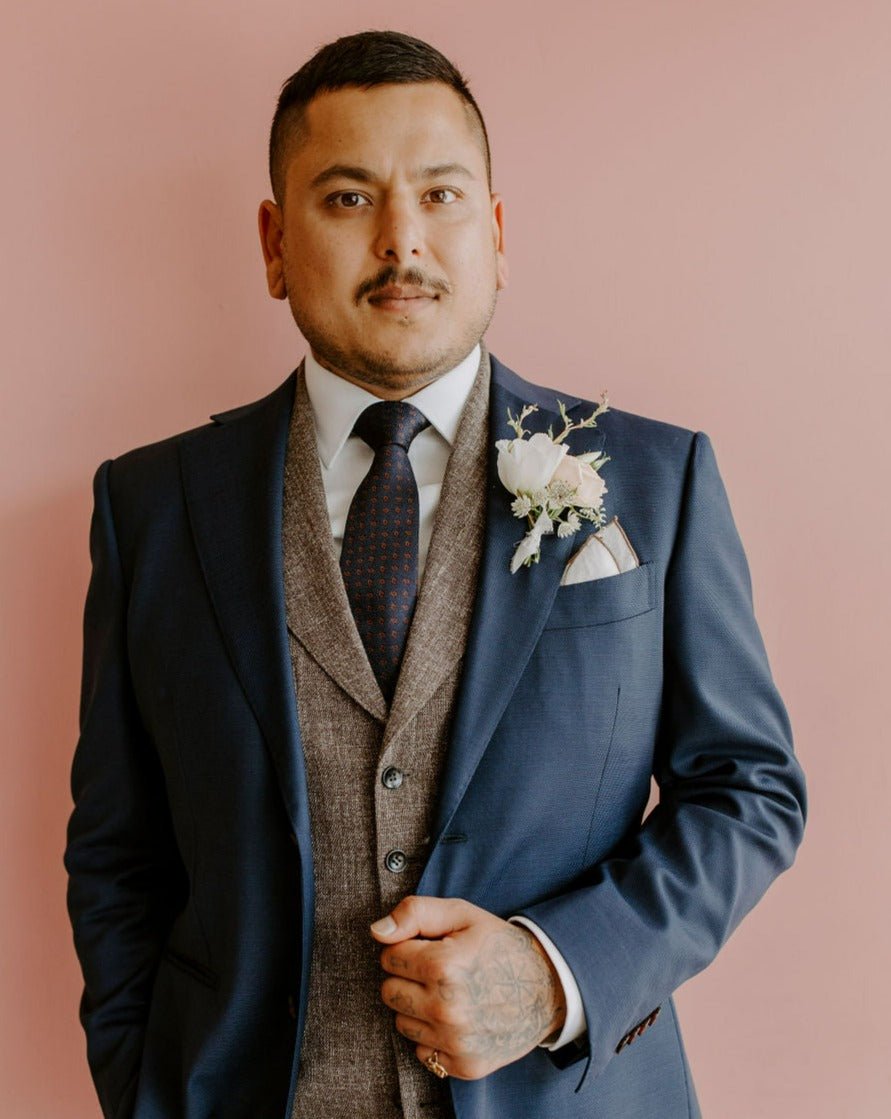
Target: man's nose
[{"x": 399, "y": 234}]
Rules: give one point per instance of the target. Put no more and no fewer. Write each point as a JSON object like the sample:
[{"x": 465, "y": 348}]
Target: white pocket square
[{"x": 607, "y": 552}]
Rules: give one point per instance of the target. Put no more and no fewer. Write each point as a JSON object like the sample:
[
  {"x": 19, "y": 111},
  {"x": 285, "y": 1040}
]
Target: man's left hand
[{"x": 479, "y": 990}]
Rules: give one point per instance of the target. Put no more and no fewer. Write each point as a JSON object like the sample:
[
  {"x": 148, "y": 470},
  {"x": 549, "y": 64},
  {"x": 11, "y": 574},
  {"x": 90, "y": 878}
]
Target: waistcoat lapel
[
  {"x": 317, "y": 608},
  {"x": 437, "y": 636}
]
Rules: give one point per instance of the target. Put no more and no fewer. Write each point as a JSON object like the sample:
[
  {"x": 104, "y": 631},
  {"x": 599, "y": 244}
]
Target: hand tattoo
[{"x": 508, "y": 997}]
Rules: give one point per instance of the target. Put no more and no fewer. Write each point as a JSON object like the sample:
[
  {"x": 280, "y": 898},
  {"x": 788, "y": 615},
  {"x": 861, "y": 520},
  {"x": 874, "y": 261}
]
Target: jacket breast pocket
[{"x": 601, "y": 601}]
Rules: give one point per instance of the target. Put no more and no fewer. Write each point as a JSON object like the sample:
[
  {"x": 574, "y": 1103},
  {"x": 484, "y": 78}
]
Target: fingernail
[{"x": 384, "y": 926}]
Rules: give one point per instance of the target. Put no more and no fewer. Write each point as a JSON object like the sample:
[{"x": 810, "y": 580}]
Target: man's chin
[{"x": 391, "y": 366}]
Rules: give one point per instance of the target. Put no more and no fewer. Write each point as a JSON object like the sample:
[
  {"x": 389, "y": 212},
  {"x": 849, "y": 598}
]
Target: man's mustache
[{"x": 412, "y": 278}]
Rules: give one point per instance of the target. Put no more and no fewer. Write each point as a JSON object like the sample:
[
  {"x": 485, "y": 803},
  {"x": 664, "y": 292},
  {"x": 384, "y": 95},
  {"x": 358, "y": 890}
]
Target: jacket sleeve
[
  {"x": 732, "y": 795},
  {"x": 124, "y": 872}
]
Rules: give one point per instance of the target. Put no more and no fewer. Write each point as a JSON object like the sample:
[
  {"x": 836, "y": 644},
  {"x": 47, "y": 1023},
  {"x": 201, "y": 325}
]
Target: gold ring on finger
[{"x": 435, "y": 1067}]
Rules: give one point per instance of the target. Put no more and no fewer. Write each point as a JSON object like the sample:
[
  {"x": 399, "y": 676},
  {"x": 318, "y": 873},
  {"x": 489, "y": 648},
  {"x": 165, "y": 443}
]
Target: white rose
[
  {"x": 589, "y": 486},
  {"x": 527, "y": 465}
]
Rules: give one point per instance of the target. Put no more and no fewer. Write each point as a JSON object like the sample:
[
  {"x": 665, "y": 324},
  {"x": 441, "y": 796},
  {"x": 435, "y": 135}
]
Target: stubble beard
[{"x": 383, "y": 370}]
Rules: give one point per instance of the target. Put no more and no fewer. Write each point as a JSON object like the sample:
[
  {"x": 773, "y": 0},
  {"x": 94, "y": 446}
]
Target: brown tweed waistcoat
[{"x": 353, "y": 1062}]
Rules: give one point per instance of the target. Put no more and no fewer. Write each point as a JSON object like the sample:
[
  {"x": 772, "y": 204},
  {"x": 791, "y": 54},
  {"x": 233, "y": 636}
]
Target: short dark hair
[{"x": 365, "y": 59}]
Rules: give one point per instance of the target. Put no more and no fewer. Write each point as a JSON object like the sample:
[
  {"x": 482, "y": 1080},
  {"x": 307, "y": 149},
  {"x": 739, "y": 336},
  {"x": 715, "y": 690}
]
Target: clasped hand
[{"x": 479, "y": 990}]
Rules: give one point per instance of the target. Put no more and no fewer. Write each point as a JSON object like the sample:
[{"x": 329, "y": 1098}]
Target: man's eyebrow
[{"x": 363, "y": 175}]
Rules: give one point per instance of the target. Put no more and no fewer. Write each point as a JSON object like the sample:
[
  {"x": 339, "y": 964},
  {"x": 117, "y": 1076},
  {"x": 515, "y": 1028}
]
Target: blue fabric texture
[{"x": 189, "y": 856}]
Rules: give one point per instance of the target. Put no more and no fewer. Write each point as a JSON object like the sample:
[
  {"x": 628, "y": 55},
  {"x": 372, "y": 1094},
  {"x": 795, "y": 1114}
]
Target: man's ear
[
  {"x": 498, "y": 235},
  {"x": 271, "y": 229}
]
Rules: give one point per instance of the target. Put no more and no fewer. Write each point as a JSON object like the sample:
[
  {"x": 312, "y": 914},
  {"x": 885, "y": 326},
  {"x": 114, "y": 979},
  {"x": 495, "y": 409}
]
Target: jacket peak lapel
[{"x": 509, "y": 610}]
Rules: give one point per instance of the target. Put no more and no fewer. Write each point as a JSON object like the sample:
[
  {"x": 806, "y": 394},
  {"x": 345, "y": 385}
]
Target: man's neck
[{"x": 385, "y": 392}]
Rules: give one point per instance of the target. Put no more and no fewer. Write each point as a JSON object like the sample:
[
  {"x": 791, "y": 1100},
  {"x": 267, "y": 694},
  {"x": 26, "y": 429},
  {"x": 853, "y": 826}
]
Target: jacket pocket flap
[{"x": 600, "y": 601}]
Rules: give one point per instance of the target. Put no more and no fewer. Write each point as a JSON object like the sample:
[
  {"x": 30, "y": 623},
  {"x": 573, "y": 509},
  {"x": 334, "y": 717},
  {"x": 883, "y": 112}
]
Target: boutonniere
[{"x": 552, "y": 489}]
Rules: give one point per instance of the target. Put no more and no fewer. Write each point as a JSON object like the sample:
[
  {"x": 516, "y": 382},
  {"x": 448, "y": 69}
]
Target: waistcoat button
[
  {"x": 392, "y": 777},
  {"x": 395, "y": 861}
]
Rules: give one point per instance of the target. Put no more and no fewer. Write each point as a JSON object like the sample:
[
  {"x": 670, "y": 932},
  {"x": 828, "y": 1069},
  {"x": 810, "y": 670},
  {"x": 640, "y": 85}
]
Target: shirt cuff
[{"x": 575, "y": 1024}]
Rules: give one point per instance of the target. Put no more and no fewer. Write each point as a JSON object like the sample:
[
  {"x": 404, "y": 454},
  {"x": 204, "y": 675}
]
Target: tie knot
[{"x": 390, "y": 421}]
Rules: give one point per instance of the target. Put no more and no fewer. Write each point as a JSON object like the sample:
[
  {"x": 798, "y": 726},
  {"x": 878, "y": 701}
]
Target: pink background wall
[{"x": 696, "y": 219}]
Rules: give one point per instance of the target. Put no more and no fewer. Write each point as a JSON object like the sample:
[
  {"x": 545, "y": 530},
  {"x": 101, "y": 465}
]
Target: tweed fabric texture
[
  {"x": 354, "y": 1065},
  {"x": 379, "y": 559}
]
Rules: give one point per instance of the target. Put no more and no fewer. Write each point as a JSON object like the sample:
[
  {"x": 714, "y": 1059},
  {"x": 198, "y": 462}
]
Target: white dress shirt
[{"x": 345, "y": 460}]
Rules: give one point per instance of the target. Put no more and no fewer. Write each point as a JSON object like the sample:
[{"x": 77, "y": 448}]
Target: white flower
[
  {"x": 589, "y": 486},
  {"x": 548, "y": 483},
  {"x": 558, "y": 489},
  {"x": 527, "y": 465},
  {"x": 570, "y": 525}
]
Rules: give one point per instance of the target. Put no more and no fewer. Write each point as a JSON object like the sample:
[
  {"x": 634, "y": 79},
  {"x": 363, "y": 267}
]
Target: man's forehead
[{"x": 422, "y": 130}]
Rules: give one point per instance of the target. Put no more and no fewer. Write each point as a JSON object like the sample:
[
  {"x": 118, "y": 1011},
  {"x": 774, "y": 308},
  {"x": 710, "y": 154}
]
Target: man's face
[{"x": 389, "y": 190}]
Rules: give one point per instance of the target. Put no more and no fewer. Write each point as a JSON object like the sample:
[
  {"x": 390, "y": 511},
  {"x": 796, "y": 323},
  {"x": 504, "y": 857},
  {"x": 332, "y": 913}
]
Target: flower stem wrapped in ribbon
[{"x": 552, "y": 489}]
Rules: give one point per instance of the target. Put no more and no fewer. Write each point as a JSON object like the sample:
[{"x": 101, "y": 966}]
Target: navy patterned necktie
[{"x": 379, "y": 558}]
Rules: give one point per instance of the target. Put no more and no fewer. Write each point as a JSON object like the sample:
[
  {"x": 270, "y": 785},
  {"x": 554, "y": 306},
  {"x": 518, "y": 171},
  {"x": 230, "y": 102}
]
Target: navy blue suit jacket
[{"x": 191, "y": 878}]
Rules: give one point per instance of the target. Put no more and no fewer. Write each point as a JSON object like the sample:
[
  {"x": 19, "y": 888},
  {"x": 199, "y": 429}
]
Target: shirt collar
[{"x": 338, "y": 403}]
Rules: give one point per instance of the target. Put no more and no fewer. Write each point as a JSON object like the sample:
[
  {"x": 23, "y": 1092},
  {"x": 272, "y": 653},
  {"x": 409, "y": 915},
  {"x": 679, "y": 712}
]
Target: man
[{"x": 319, "y": 695}]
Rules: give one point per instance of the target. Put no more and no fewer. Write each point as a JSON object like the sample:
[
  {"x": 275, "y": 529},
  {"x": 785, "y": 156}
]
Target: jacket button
[
  {"x": 392, "y": 777},
  {"x": 396, "y": 861}
]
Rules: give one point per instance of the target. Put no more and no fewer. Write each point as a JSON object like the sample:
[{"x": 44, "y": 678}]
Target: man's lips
[
  {"x": 396, "y": 292},
  {"x": 401, "y": 299},
  {"x": 403, "y": 303}
]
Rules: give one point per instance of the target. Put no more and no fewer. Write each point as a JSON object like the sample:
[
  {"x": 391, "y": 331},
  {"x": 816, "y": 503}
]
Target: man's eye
[
  {"x": 444, "y": 190},
  {"x": 347, "y": 194}
]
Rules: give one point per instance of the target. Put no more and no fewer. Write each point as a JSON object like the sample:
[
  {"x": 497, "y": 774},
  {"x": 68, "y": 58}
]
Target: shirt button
[
  {"x": 396, "y": 861},
  {"x": 392, "y": 777}
]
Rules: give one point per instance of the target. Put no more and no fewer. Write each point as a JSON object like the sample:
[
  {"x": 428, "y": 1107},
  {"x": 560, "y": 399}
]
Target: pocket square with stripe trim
[{"x": 606, "y": 552}]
